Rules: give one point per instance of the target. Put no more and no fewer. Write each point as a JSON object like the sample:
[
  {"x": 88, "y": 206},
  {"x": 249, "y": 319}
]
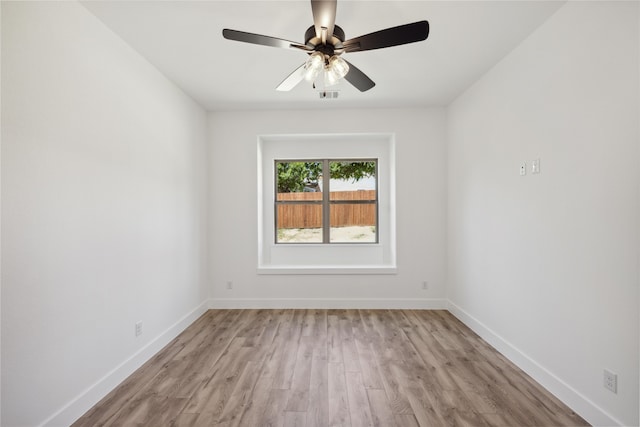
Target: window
[
  {"x": 320, "y": 243},
  {"x": 311, "y": 209}
]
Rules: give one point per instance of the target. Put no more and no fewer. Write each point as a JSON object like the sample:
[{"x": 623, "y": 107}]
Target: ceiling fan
[{"x": 325, "y": 42}]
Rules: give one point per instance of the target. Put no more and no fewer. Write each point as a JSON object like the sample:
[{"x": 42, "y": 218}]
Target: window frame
[
  {"x": 326, "y": 201},
  {"x": 320, "y": 259}
]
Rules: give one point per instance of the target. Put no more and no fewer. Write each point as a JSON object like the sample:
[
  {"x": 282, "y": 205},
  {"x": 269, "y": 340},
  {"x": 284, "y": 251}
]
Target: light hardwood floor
[{"x": 329, "y": 368}]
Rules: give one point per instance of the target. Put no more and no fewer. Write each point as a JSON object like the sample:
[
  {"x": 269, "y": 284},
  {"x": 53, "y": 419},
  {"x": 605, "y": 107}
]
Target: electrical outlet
[
  {"x": 229, "y": 284},
  {"x": 425, "y": 285},
  {"x": 610, "y": 381},
  {"x": 138, "y": 328},
  {"x": 523, "y": 168}
]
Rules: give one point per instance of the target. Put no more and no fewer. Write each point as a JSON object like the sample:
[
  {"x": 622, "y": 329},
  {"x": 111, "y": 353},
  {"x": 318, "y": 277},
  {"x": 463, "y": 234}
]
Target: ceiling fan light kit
[
  {"x": 336, "y": 69},
  {"x": 313, "y": 66},
  {"x": 325, "y": 43}
]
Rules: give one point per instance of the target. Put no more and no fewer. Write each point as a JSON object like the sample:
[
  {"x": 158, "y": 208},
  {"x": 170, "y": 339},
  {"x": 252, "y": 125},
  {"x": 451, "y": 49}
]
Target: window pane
[
  {"x": 353, "y": 180},
  {"x": 352, "y": 206},
  {"x": 299, "y": 223},
  {"x": 354, "y": 223},
  {"x": 298, "y": 177}
]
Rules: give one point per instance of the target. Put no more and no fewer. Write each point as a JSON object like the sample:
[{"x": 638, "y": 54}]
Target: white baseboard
[
  {"x": 588, "y": 410},
  {"x": 362, "y": 303},
  {"x": 94, "y": 393}
]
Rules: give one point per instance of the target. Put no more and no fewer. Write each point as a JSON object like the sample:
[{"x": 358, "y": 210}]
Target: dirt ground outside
[{"x": 355, "y": 234}]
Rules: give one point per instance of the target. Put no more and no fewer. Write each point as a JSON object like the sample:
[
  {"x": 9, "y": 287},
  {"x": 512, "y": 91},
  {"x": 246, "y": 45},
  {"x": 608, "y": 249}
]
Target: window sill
[
  {"x": 326, "y": 245},
  {"x": 321, "y": 270}
]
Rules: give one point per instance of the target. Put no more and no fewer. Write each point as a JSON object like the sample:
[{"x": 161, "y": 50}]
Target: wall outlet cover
[
  {"x": 610, "y": 381},
  {"x": 138, "y": 328}
]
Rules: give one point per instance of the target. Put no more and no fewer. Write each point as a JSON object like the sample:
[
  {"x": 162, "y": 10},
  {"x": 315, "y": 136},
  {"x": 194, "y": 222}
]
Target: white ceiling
[{"x": 183, "y": 39}]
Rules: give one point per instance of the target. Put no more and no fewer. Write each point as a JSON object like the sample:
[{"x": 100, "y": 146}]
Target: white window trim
[{"x": 345, "y": 258}]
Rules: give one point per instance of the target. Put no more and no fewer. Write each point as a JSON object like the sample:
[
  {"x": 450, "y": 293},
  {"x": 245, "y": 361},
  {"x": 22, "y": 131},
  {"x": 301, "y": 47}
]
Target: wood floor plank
[
  {"x": 199, "y": 364},
  {"x": 271, "y": 325},
  {"x": 406, "y": 420},
  {"x": 213, "y": 395},
  {"x": 240, "y": 396},
  {"x": 171, "y": 408},
  {"x": 435, "y": 359},
  {"x": 145, "y": 407},
  {"x": 338, "y": 400},
  {"x": 368, "y": 366},
  {"x": 256, "y": 406},
  {"x": 318, "y": 410},
  {"x": 275, "y": 414},
  {"x": 502, "y": 420},
  {"x": 390, "y": 380},
  {"x": 295, "y": 419},
  {"x": 316, "y": 367},
  {"x": 334, "y": 343},
  {"x": 276, "y": 349},
  {"x": 527, "y": 412},
  {"x": 299, "y": 394},
  {"x": 194, "y": 420},
  {"x": 454, "y": 408},
  {"x": 289, "y": 336},
  {"x": 349, "y": 349},
  {"x": 381, "y": 413},
  {"x": 367, "y": 327},
  {"x": 359, "y": 408},
  {"x": 320, "y": 349},
  {"x": 422, "y": 408}
]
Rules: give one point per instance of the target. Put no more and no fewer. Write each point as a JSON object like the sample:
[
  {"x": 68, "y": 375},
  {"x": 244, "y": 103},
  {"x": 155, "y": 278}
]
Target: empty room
[{"x": 320, "y": 213}]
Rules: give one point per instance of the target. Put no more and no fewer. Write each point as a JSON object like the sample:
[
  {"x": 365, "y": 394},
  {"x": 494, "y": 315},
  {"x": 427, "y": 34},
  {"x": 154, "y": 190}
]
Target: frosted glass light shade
[
  {"x": 313, "y": 66},
  {"x": 335, "y": 70}
]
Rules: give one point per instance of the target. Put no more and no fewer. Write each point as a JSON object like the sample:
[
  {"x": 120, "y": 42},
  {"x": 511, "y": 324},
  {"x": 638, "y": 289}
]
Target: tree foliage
[
  {"x": 352, "y": 171},
  {"x": 293, "y": 177},
  {"x": 298, "y": 176}
]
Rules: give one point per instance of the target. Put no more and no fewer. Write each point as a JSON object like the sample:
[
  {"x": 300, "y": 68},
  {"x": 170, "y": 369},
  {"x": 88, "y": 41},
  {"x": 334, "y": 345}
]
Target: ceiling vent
[{"x": 328, "y": 94}]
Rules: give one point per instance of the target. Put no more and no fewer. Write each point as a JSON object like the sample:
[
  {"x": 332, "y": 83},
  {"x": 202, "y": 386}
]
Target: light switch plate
[{"x": 535, "y": 166}]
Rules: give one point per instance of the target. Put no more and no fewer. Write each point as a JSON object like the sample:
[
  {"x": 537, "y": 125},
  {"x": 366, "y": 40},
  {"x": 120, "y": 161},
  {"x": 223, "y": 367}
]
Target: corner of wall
[
  {"x": 96, "y": 392},
  {"x": 563, "y": 391}
]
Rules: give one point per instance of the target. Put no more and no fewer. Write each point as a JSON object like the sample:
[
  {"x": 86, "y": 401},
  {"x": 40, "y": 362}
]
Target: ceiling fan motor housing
[{"x": 311, "y": 39}]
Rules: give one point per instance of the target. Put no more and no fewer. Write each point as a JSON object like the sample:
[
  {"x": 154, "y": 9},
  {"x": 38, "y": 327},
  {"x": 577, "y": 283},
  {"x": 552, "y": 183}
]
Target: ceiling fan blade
[
  {"x": 402, "y": 34},
  {"x": 242, "y": 36},
  {"x": 358, "y": 78},
  {"x": 324, "y": 16},
  {"x": 292, "y": 80}
]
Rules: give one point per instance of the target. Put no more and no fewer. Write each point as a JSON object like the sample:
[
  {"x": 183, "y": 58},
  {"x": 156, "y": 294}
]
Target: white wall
[
  {"x": 103, "y": 213},
  {"x": 420, "y": 209},
  {"x": 546, "y": 266},
  {"x": 104, "y": 219}
]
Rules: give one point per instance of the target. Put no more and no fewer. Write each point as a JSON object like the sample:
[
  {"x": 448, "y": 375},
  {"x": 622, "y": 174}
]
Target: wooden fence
[{"x": 342, "y": 215}]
